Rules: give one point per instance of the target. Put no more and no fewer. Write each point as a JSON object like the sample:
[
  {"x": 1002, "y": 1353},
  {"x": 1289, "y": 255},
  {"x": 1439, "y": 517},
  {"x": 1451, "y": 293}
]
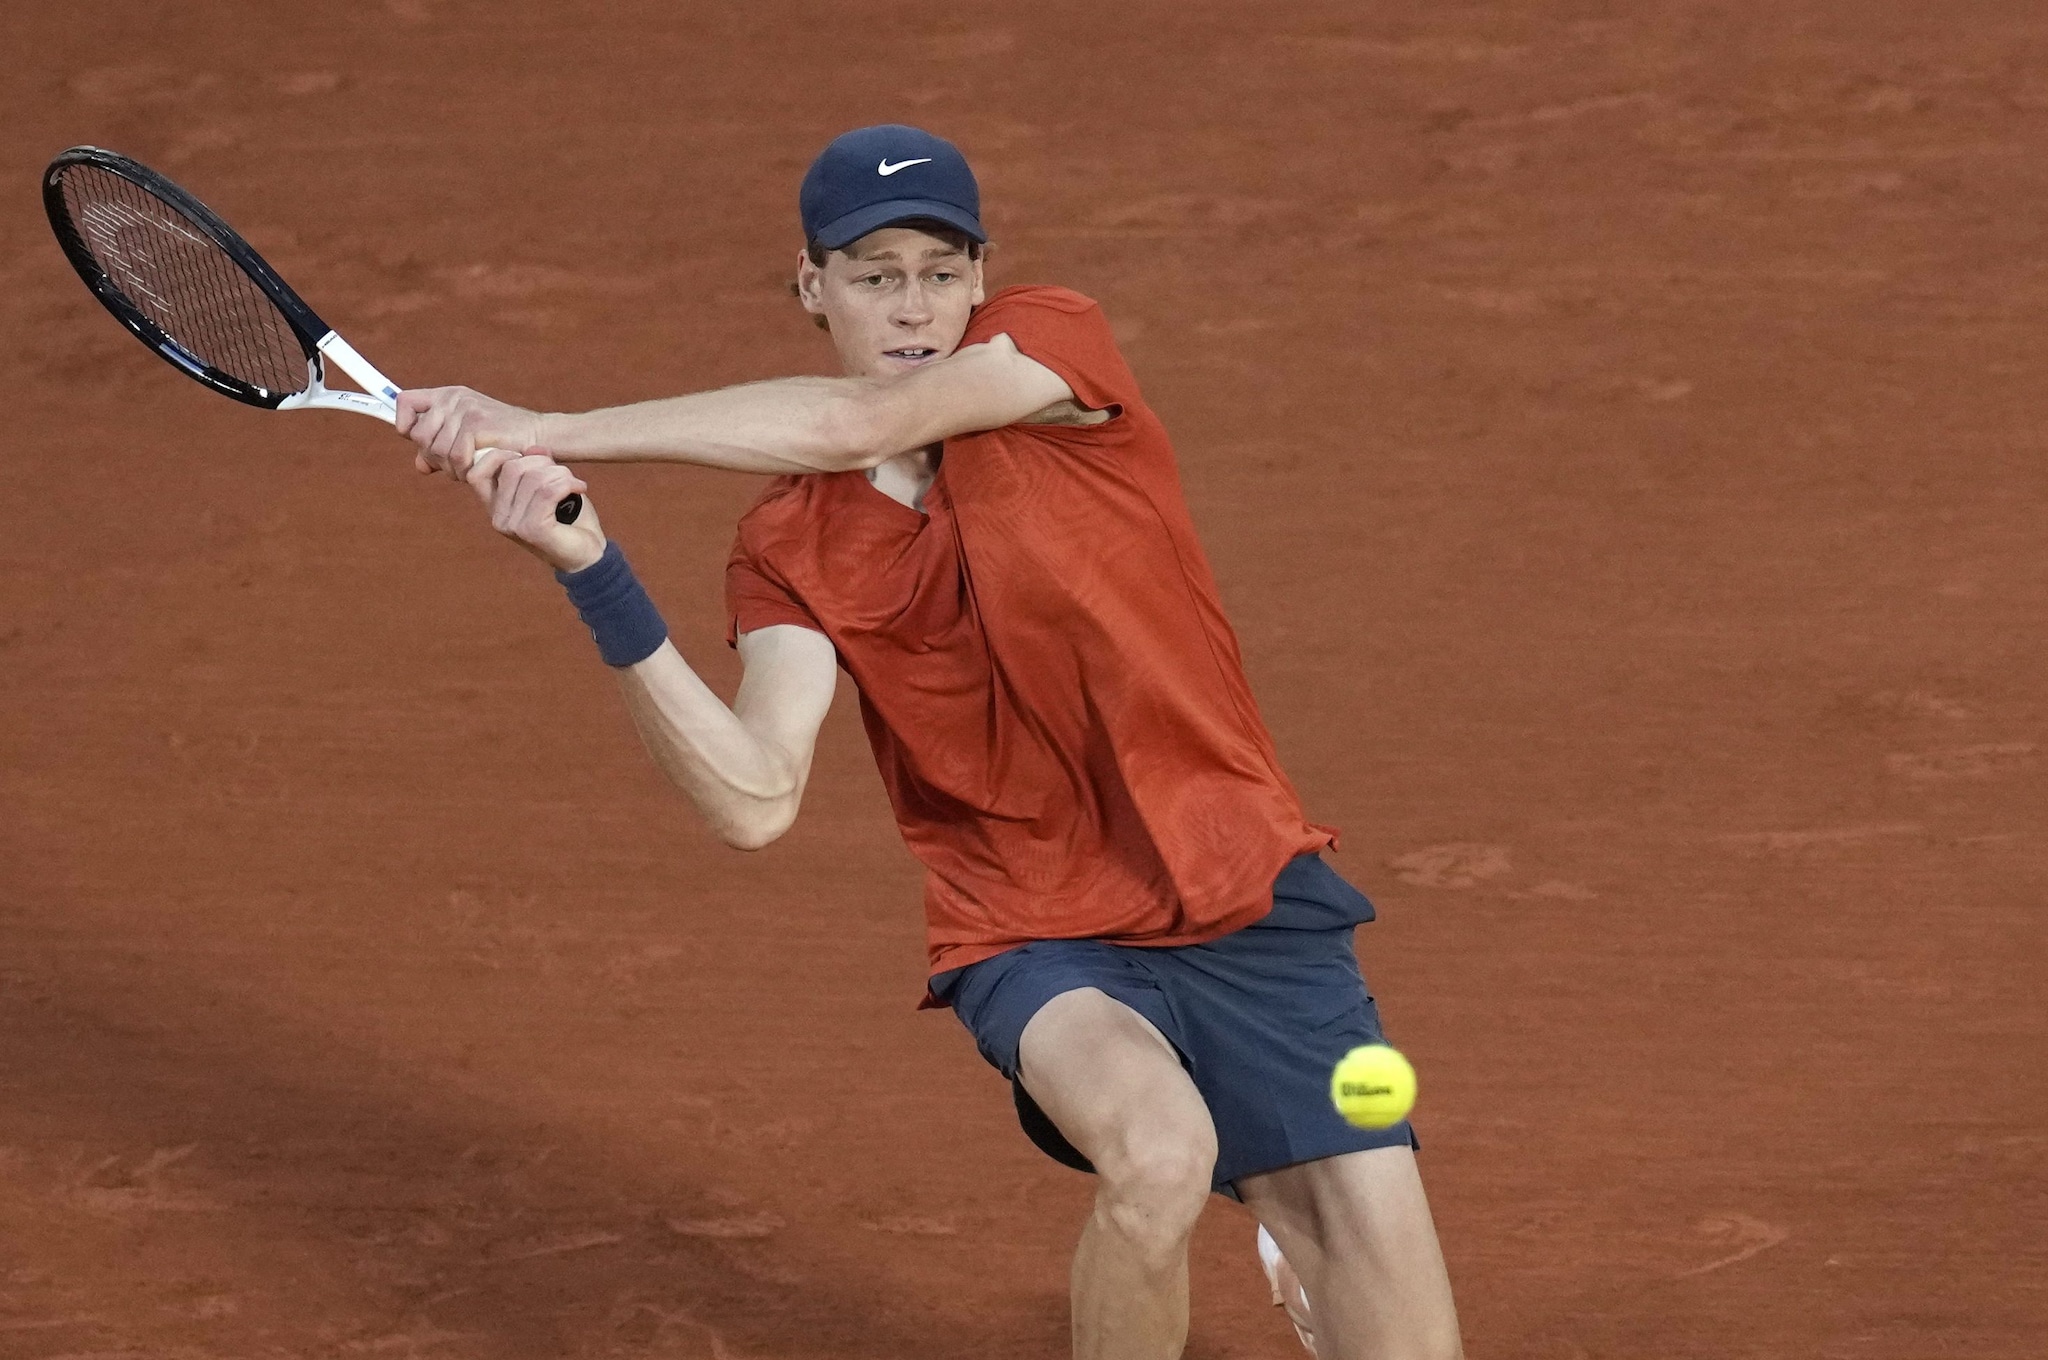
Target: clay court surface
[{"x": 1618, "y": 430}]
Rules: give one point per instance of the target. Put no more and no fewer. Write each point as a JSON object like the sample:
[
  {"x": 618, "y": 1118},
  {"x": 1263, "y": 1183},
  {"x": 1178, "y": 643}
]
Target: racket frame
[
  {"x": 316, "y": 338},
  {"x": 378, "y": 398},
  {"x": 319, "y": 341}
]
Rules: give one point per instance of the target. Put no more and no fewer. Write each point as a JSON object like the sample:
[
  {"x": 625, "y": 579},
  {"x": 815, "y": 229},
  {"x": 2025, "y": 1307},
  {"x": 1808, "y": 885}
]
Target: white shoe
[{"x": 1287, "y": 1290}]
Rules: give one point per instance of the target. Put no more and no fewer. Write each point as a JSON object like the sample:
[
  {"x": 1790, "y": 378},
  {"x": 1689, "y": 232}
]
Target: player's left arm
[
  {"x": 787, "y": 425},
  {"x": 980, "y": 387}
]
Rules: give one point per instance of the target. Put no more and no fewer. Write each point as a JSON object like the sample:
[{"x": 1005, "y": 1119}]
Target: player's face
[{"x": 896, "y": 298}]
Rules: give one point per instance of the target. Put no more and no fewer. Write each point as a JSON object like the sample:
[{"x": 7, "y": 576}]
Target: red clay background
[{"x": 1618, "y": 429}]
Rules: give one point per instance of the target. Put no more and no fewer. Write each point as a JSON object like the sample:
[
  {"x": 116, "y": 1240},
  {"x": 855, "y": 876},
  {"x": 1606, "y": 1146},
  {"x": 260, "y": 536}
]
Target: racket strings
[{"x": 183, "y": 281}]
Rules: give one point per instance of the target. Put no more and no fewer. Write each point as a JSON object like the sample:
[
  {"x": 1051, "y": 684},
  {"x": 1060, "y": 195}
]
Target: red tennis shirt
[{"x": 1053, "y": 694}]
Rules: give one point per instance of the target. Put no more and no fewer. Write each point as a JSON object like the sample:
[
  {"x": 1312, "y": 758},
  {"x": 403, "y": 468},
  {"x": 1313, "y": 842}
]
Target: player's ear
[
  {"x": 974, "y": 272},
  {"x": 810, "y": 284}
]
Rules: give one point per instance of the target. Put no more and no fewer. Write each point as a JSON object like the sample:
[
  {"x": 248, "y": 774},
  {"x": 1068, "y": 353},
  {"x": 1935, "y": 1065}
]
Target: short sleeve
[
  {"x": 754, "y": 598},
  {"x": 1066, "y": 332}
]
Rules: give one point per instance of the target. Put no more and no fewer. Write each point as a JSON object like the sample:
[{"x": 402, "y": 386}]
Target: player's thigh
[
  {"x": 1110, "y": 1081},
  {"x": 1360, "y": 1220}
]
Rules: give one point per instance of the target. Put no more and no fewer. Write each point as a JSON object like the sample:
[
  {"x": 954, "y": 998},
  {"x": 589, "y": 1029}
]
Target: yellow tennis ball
[{"x": 1373, "y": 1086}]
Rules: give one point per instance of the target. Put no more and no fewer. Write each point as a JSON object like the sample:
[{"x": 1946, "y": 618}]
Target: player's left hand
[
  {"x": 521, "y": 491},
  {"x": 449, "y": 424}
]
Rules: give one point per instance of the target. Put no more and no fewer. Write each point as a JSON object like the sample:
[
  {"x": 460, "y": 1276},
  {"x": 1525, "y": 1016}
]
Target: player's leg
[
  {"x": 1358, "y": 1232},
  {"x": 1114, "y": 1087}
]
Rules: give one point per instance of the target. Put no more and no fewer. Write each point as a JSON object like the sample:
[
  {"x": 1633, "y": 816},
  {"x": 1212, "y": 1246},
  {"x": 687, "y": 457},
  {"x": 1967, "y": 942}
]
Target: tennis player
[{"x": 982, "y": 524}]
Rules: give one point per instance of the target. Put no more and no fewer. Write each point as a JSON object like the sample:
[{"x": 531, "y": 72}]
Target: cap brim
[{"x": 837, "y": 235}]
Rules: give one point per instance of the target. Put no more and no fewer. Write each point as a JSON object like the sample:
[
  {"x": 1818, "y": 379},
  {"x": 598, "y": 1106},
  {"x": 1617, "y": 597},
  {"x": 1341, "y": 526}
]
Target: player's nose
[{"x": 914, "y": 305}]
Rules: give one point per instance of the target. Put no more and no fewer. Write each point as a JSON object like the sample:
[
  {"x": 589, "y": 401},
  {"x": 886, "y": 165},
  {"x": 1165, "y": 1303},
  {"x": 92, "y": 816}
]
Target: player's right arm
[{"x": 743, "y": 765}]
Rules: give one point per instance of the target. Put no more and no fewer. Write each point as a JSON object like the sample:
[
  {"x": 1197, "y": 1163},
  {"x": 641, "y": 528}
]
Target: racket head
[{"x": 180, "y": 279}]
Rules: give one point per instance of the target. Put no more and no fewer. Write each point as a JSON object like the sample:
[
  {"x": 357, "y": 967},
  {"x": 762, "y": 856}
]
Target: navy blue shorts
[{"x": 1259, "y": 1017}]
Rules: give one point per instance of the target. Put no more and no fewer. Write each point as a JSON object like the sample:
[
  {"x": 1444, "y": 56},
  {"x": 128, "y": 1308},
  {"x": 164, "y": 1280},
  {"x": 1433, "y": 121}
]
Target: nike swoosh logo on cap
[{"x": 887, "y": 169}]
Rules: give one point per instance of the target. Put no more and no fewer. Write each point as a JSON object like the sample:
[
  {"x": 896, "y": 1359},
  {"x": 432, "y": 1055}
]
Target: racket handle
[{"x": 568, "y": 508}]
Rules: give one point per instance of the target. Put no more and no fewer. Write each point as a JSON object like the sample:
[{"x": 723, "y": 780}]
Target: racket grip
[{"x": 568, "y": 508}]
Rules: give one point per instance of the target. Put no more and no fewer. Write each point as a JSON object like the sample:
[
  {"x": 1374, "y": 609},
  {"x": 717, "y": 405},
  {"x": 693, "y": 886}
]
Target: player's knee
[{"x": 1153, "y": 1190}]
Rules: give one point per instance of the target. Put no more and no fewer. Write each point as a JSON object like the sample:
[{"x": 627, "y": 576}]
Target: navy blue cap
[{"x": 872, "y": 177}]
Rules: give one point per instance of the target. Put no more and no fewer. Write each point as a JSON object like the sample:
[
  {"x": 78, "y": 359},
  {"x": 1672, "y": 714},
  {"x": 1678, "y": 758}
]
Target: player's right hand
[
  {"x": 521, "y": 490},
  {"x": 449, "y": 424}
]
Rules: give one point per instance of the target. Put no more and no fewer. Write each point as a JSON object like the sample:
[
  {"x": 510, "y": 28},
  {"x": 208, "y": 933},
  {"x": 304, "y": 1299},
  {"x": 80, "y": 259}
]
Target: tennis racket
[{"x": 187, "y": 285}]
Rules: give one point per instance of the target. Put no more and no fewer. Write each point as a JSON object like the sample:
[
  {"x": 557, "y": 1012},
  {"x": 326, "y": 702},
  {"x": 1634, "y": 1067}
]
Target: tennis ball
[{"x": 1373, "y": 1086}]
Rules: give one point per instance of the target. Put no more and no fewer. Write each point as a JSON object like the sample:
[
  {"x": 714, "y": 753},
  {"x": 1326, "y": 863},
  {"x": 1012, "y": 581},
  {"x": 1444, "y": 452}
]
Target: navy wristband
[{"x": 622, "y": 620}]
